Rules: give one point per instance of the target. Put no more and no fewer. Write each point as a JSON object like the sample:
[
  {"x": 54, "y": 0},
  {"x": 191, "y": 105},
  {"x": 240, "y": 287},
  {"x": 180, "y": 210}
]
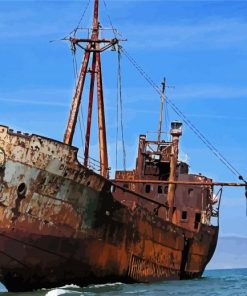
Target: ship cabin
[{"x": 161, "y": 183}]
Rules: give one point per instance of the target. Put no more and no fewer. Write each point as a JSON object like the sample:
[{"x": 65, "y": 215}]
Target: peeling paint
[{"x": 61, "y": 223}]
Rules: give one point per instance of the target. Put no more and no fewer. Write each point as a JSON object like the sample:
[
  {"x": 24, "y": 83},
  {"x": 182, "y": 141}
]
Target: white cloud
[
  {"x": 209, "y": 91},
  {"x": 33, "y": 102},
  {"x": 210, "y": 33}
]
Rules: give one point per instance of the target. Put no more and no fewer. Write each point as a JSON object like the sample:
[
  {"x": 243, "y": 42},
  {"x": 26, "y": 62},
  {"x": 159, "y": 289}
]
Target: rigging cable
[
  {"x": 80, "y": 20},
  {"x": 80, "y": 117},
  {"x": 209, "y": 145},
  {"x": 167, "y": 117},
  {"x": 121, "y": 105},
  {"x": 110, "y": 21},
  {"x": 166, "y": 111},
  {"x": 117, "y": 107},
  {"x": 74, "y": 31},
  {"x": 117, "y": 120},
  {"x": 75, "y": 68},
  {"x": 119, "y": 95}
]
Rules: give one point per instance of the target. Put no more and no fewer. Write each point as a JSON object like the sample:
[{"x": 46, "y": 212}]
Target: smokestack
[
  {"x": 176, "y": 129},
  {"x": 176, "y": 132}
]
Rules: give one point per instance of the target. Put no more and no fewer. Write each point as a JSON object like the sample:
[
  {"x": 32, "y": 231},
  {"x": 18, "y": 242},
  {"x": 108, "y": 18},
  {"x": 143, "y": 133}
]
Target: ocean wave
[
  {"x": 135, "y": 292},
  {"x": 60, "y": 291},
  {"x": 70, "y": 286},
  {"x": 71, "y": 290},
  {"x": 106, "y": 285},
  {"x": 56, "y": 292}
]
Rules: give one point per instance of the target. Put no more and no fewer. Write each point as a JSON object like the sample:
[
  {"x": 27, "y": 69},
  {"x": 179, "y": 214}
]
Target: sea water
[{"x": 214, "y": 283}]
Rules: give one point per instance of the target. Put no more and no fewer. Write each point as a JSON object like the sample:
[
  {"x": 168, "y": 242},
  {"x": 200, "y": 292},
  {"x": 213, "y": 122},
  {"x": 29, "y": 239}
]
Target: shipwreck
[{"x": 62, "y": 222}]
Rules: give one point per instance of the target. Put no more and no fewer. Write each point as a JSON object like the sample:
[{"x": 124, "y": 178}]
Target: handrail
[{"x": 203, "y": 183}]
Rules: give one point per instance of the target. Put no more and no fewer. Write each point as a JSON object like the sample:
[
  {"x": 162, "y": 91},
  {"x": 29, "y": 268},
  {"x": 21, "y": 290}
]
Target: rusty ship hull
[{"x": 61, "y": 223}]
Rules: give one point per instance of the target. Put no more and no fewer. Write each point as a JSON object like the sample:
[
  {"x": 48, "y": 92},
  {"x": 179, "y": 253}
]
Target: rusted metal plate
[{"x": 61, "y": 223}]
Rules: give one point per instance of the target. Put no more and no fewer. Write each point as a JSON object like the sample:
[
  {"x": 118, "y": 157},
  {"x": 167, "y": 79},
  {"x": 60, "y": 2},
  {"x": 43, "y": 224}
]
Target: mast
[
  {"x": 92, "y": 48},
  {"x": 101, "y": 122},
  {"x": 161, "y": 108},
  {"x": 90, "y": 109},
  {"x": 70, "y": 129},
  {"x": 95, "y": 36}
]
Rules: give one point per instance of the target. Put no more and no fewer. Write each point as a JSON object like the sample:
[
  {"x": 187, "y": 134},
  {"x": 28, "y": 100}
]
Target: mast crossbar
[
  {"x": 90, "y": 40},
  {"x": 93, "y": 47}
]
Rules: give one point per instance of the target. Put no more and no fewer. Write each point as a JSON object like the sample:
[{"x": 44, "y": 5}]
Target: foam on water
[
  {"x": 56, "y": 292},
  {"x": 70, "y": 286},
  {"x": 106, "y": 285},
  {"x": 60, "y": 291},
  {"x": 134, "y": 292},
  {"x": 214, "y": 283}
]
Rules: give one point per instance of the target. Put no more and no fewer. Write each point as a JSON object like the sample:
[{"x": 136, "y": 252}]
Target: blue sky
[{"x": 199, "y": 46}]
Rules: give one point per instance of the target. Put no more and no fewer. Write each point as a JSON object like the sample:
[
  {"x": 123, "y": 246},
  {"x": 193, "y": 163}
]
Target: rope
[
  {"x": 121, "y": 106},
  {"x": 80, "y": 21},
  {"x": 209, "y": 145},
  {"x": 80, "y": 117},
  {"x": 110, "y": 21},
  {"x": 117, "y": 120},
  {"x": 167, "y": 117},
  {"x": 81, "y": 134},
  {"x": 119, "y": 96}
]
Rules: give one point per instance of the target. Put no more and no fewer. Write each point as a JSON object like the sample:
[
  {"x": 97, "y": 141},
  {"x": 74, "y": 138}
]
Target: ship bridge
[{"x": 154, "y": 181}]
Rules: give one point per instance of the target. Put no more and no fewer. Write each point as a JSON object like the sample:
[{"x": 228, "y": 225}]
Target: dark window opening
[
  {"x": 166, "y": 189},
  {"x": 21, "y": 190},
  {"x": 148, "y": 188},
  {"x": 159, "y": 189},
  {"x": 126, "y": 185},
  {"x": 184, "y": 215},
  {"x": 190, "y": 191},
  {"x": 151, "y": 169},
  {"x": 197, "y": 220},
  {"x": 164, "y": 168}
]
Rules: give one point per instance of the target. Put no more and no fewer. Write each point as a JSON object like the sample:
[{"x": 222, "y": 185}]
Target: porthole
[{"x": 21, "y": 190}]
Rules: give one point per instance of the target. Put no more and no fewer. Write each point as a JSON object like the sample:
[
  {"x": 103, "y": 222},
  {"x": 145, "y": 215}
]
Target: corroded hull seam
[{"x": 61, "y": 223}]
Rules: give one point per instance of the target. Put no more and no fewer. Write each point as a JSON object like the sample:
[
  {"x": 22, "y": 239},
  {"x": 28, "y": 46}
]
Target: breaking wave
[
  {"x": 56, "y": 292},
  {"x": 60, "y": 291},
  {"x": 105, "y": 285},
  {"x": 73, "y": 290}
]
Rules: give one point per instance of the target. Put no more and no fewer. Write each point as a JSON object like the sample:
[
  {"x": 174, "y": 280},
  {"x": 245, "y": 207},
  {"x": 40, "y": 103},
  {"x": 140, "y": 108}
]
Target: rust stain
[{"x": 67, "y": 224}]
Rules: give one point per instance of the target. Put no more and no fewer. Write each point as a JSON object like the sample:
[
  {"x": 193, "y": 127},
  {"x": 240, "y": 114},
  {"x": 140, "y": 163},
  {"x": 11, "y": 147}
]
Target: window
[
  {"x": 148, "y": 188},
  {"x": 197, "y": 220},
  {"x": 126, "y": 185},
  {"x": 159, "y": 189},
  {"x": 166, "y": 189},
  {"x": 184, "y": 215},
  {"x": 190, "y": 192}
]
